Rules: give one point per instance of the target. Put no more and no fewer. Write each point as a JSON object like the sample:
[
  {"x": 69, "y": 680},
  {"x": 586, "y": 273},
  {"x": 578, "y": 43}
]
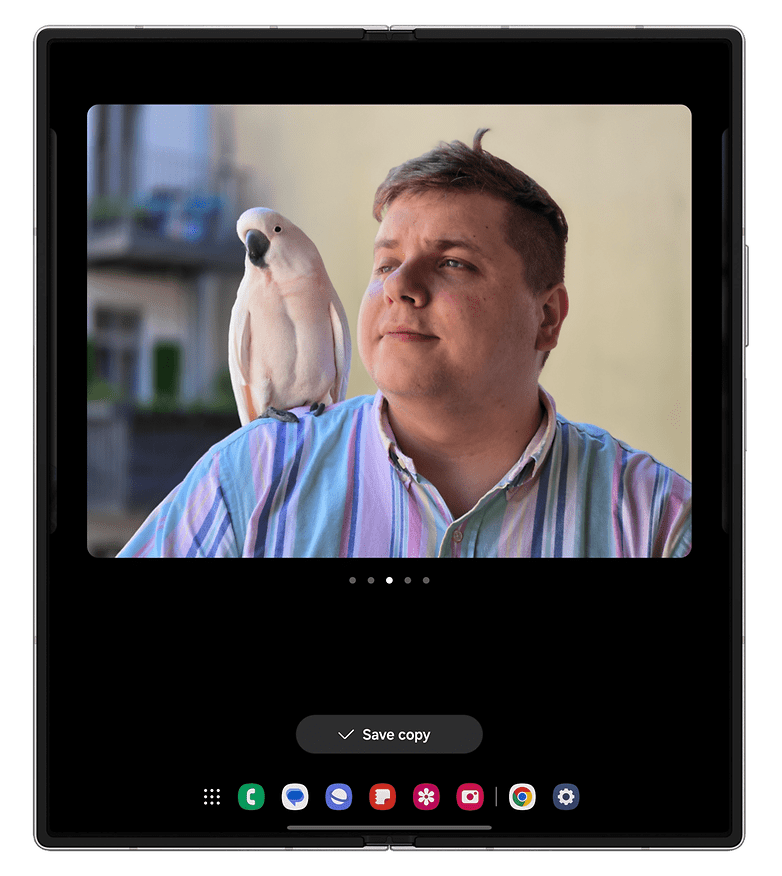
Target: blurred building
[
  {"x": 163, "y": 266},
  {"x": 162, "y": 253}
]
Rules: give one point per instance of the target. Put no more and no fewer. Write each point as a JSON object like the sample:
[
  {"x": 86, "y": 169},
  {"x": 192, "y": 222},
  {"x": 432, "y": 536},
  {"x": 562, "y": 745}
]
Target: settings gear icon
[{"x": 566, "y": 796}]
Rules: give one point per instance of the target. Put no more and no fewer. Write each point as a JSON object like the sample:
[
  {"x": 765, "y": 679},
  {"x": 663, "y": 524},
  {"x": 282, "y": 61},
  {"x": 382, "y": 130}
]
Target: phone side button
[{"x": 746, "y": 295}]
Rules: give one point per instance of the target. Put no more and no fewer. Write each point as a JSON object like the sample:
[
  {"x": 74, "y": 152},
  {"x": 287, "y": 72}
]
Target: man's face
[{"x": 447, "y": 314}]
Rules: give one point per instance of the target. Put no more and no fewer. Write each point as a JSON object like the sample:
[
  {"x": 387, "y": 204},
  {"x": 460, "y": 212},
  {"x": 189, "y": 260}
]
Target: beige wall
[{"x": 622, "y": 178}]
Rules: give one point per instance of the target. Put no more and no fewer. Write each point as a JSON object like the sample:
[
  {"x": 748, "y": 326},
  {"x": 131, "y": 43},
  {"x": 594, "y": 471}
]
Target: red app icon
[
  {"x": 469, "y": 796},
  {"x": 382, "y": 796}
]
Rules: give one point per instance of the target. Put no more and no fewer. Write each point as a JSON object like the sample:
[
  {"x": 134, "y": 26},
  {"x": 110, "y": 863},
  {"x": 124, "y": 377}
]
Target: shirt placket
[
  {"x": 451, "y": 545},
  {"x": 461, "y": 536}
]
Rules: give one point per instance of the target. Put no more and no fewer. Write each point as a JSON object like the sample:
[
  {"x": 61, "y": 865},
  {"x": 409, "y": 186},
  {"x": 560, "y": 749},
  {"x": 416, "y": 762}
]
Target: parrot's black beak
[{"x": 257, "y": 245}]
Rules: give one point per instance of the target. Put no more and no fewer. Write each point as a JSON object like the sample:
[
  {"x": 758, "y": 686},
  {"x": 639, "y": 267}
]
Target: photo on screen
[{"x": 166, "y": 185}]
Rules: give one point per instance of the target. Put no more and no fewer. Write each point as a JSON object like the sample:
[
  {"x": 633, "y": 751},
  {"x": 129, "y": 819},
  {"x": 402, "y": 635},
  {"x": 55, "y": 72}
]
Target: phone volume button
[{"x": 746, "y": 295}]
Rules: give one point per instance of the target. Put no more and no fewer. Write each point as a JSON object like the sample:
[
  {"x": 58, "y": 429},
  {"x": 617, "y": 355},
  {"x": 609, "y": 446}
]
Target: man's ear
[{"x": 554, "y": 305}]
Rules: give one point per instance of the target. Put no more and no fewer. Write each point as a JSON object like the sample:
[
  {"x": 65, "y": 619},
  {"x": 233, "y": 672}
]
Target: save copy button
[{"x": 389, "y": 734}]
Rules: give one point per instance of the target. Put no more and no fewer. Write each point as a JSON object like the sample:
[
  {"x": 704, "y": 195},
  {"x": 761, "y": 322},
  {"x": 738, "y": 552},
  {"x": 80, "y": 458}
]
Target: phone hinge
[{"x": 385, "y": 33}]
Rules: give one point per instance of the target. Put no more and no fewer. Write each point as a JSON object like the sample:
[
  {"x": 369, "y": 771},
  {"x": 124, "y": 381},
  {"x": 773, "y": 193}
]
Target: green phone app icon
[{"x": 251, "y": 796}]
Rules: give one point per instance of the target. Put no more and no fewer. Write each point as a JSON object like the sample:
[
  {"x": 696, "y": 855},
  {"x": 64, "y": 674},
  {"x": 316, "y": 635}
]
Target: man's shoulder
[
  {"x": 269, "y": 431},
  {"x": 652, "y": 502},
  {"x": 596, "y": 442}
]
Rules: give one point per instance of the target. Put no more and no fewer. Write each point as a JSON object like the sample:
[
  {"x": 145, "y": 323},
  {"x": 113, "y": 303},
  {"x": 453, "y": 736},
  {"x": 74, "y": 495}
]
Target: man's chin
[
  {"x": 413, "y": 386},
  {"x": 413, "y": 380}
]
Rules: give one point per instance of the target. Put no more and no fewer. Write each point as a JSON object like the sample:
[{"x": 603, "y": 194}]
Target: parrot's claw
[
  {"x": 317, "y": 409},
  {"x": 282, "y": 416}
]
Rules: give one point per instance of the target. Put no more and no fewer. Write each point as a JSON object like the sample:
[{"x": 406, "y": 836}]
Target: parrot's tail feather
[
  {"x": 250, "y": 413},
  {"x": 342, "y": 349}
]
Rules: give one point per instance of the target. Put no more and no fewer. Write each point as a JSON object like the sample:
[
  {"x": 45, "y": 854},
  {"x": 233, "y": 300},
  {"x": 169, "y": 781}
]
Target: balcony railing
[
  {"x": 188, "y": 223},
  {"x": 135, "y": 458}
]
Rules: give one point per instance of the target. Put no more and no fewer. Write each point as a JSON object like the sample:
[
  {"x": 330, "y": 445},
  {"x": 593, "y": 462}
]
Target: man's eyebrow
[
  {"x": 455, "y": 243},
  {"x": 440, "y": 243}
]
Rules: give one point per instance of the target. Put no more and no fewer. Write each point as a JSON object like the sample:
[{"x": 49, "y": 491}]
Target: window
[{"x": 116, "y": 349}]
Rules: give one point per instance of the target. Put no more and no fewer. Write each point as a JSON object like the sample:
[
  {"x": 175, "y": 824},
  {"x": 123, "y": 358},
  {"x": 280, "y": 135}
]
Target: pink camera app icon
[{"x": 469, "y": 796}]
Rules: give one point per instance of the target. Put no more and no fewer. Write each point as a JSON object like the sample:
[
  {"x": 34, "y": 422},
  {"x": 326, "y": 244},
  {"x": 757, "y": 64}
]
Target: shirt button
[{"x": 457, "y": 536}]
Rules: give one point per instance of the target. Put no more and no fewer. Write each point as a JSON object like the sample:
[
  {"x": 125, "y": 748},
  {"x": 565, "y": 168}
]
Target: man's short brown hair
[{"x": 536, "y": 227}]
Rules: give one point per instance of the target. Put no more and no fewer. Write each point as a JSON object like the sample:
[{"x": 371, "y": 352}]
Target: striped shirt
[{"x": 339, "y": 486}]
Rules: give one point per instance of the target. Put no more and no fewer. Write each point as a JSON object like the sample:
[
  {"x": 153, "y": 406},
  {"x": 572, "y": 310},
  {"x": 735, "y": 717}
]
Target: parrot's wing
[
  {"x": 342, "y": 348},
  {"x": 239, "y": 365}
]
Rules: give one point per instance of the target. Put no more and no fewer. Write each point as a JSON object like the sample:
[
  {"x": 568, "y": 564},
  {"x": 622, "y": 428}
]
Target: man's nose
[{"x": 407, "y": 284}]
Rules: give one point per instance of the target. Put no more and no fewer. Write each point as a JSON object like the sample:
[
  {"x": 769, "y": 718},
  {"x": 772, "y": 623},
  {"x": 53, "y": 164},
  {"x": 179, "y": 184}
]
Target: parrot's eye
[{"x": 278, "y": 228}]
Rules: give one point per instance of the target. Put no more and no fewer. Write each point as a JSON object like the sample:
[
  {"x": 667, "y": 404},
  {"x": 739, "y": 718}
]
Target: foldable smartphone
[{"x": 359, "y": 694}]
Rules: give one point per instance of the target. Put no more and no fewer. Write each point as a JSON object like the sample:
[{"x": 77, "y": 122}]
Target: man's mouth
[{"x": 403, "y": 333}]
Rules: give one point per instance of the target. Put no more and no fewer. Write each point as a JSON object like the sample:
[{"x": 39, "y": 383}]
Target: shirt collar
[
  {"x": 538, "y": 448},
  {"x": 527, "y": 466},
  {"x": 403, "y": 464}
]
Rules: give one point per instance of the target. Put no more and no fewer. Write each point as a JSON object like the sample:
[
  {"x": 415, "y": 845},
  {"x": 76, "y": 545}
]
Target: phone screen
[{"x": 353, "y": 690}]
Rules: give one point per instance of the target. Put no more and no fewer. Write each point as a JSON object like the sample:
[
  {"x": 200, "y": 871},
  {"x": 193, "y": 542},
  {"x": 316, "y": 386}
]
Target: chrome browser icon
[{"x": 522, "y": 796}]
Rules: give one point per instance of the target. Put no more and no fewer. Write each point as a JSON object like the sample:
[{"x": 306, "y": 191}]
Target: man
[{"x": 461, "y": 452}]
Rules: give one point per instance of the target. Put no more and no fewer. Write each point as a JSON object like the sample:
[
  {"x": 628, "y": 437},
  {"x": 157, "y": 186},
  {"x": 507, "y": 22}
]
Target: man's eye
[
  {"x": 455, "y": 263},
  {"x": 384, "y": 269}
]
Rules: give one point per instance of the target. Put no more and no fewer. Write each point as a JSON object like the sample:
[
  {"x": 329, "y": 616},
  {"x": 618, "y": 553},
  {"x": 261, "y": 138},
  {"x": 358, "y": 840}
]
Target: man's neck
[{"x": 463, "y": 452}]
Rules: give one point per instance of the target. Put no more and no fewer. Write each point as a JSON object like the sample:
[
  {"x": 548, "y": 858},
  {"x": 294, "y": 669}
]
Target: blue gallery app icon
[
  {"x": 566, "y": 796},
  {"x": 338, "y": 796}
]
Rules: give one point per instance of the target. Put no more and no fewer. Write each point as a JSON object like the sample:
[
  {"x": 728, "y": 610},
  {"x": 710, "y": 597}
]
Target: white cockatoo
[{"x": 289, "y": 340}]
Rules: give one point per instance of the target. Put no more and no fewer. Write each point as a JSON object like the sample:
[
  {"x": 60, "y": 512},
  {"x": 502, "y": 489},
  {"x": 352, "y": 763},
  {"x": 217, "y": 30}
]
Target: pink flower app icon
[{"x": 426, "y": 796}]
